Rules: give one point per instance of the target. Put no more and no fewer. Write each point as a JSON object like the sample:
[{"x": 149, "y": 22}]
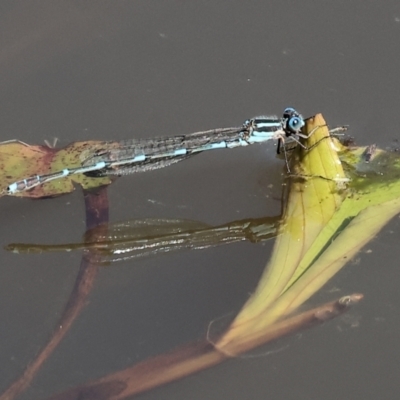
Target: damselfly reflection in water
[{"x": 149, "y": 237}]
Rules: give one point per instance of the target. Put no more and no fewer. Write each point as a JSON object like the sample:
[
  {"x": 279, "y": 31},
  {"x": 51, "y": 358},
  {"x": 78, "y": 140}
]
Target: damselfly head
[
  {"x": 290, "y": 112},
  {"x": 293, "y": 121},
  {"x": 295, "y": 124}
]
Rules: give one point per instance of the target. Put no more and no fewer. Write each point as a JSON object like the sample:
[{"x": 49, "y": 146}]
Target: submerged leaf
[{"x": 194, "y": 357}]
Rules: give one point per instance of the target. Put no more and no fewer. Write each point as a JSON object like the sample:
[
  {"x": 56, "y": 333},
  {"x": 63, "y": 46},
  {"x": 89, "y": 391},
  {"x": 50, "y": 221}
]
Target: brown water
[{"x": 112, "y": 70}]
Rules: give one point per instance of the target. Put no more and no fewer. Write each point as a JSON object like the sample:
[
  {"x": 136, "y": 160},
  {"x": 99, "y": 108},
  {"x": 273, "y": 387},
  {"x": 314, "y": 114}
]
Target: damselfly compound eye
[{"x": 295, "y": 124}]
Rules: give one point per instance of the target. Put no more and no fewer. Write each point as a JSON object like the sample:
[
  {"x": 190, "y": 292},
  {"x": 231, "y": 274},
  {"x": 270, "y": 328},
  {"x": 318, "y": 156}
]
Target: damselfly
[{"x": 137, "y": 155}]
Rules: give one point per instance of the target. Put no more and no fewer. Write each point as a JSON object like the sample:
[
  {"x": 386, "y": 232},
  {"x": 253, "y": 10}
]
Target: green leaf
[
  {"x": 315, "y": 193},
  {"x": 19, "y": 160}
]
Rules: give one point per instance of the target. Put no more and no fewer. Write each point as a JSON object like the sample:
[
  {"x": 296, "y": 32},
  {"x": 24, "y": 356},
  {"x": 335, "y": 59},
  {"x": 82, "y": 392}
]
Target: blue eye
[{"x": 295, "y": 123}]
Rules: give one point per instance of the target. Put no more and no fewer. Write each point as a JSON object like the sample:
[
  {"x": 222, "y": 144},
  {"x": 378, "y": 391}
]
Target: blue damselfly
[{"x": 137, "y": 155}]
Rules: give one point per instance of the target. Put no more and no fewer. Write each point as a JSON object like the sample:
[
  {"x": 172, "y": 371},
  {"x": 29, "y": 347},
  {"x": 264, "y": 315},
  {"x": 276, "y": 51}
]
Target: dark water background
[{"x": 111, "y": 70}]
